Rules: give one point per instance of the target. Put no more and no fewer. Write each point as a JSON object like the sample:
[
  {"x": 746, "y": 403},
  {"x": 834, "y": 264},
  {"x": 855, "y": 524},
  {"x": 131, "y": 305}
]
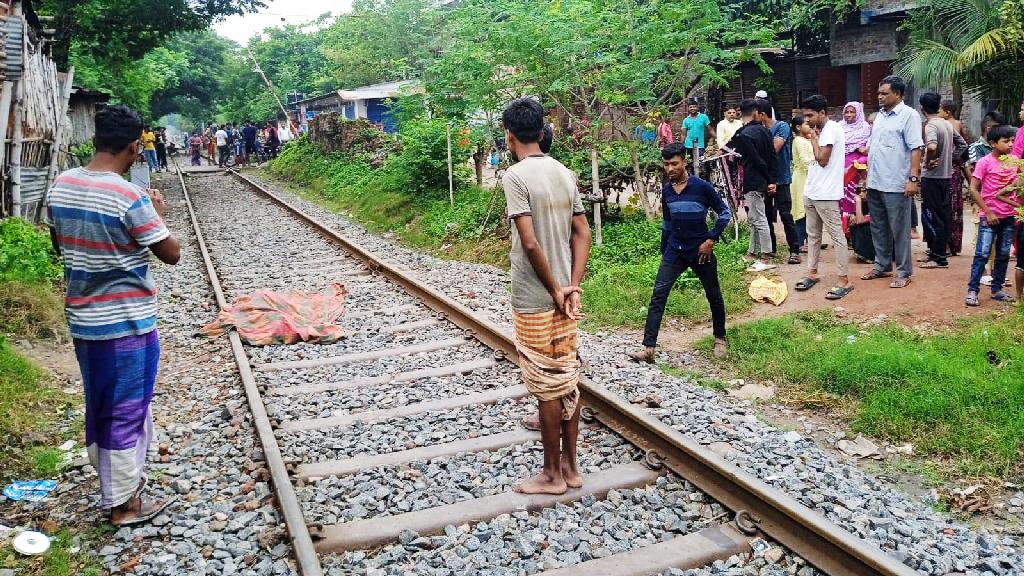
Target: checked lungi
[
  {"x": 119, "y": 375},
  {"x": 546, "y": 342}
]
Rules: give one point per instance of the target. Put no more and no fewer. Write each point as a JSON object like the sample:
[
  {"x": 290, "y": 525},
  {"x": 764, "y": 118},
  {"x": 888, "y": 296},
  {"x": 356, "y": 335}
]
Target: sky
[{"x": 241, "y": 28}]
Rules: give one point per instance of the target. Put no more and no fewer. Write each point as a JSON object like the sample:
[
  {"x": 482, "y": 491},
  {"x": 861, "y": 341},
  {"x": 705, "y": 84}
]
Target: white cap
[{"x": 760, "y": 94}]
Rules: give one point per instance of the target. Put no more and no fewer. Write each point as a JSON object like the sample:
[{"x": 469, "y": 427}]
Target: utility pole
[{"x": 270, "y": 86}]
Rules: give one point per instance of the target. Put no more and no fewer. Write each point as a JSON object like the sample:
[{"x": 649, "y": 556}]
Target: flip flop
[
  {"x": 148, "y": 510},
  {"x": 875, "y": 274},
  {"x": 529, "y": 423},
  {"x": 933, "y": 264},
  {"x": 837, "y": 292},
  {"x": 899, "y": 283},
  {"x": 806, "y": 283}
]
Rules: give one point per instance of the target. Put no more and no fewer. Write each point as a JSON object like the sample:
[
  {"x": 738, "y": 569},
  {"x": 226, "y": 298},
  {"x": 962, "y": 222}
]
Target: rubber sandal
[
  {"x": 1003, "y": 296},
  {"x": 806, "y": 283},
  {"x": 150, "y": 508},
  {"x": 794, "y": 259},
  {"x": 837, "y": 292},
  {"x": 899, "y": 283},
  {"x": 933, "y": 264},
  {"x": 971, "y": 299},
  {"x": 875, "y": 274}
]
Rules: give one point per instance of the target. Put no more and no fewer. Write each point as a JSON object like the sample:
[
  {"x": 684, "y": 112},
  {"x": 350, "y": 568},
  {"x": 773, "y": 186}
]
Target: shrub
[{"x": 26, "y": 254}]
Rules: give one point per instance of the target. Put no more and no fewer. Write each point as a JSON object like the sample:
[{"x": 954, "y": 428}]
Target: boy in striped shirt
[{"x": 105, "y": 228}]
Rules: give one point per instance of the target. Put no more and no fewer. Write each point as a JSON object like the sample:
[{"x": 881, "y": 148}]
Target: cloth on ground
[
  {"x": 546, "y": 342},
  {"x": 266, "y": 317},
  {"x": 764, "y": 289}
]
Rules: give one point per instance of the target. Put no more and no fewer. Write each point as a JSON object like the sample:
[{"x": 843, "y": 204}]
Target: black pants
[
  {"x": 222, "y": 154},
  {"x": 668, "y": 273},
  {"x": 781, "y": 204},
  {"x": 161, "y": 156},
  {"x": 936, "y": 216}
]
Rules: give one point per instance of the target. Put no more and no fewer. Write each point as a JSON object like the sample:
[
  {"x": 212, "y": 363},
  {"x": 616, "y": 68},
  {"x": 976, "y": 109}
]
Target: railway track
[{"x": 409, "y": 426}]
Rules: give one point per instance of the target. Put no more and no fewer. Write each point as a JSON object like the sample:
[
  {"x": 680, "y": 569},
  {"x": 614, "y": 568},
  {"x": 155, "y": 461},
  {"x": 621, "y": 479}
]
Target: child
[
  {"x": 803, "y": 157},
  {"x": 993, "y": 180},
  {"x": 1014, "y": 196}
]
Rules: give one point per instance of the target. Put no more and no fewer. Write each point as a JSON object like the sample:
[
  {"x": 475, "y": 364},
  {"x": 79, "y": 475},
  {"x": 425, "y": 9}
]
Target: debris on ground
[
  {"x": 971, "y": 499},
  {"x": 29, "y": 490},
  {"x": 860, "y": 447},
  {"x": 772, "y": 291},
  {"x": 753, "y": 392}
]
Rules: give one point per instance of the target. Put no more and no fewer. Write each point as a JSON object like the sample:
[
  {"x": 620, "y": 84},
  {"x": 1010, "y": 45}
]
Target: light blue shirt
[
  {"x": 894, "y": 135},
  {"x": 695, "y": 127}
]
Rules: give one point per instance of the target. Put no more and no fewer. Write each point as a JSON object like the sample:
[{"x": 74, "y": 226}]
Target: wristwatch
[{"x": 914, "y": 179}]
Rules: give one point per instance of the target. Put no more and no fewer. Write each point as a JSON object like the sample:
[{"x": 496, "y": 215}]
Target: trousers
[
  {"x": 760, "y": 237},
  {"x": 780, "y": 205},
  {"x": 823, "y": 215},
  {"x": 936, "y": 216},
  {"x": 890, "y": 231},
  {"x": 668, "y": 274}
]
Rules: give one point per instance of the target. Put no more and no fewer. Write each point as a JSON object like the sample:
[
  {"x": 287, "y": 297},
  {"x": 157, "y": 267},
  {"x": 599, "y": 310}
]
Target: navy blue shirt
[
  {"x": 249, "y": 134},
  {"x": 684, "y": 225},
  {"x": 785, "y": 154}
]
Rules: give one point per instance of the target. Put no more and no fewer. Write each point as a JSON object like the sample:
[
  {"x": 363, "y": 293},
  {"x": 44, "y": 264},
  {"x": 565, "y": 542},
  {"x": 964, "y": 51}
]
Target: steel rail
[
  {"x": 757, "y": 505},
  {"x": 302, "y": 542}
]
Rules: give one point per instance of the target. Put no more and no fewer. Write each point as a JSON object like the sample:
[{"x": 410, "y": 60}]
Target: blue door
[{"x": 380, "y": 113}]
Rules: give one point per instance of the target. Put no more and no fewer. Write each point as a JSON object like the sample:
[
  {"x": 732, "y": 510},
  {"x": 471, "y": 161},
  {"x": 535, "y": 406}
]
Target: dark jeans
[
  {"x": 937, "y": 216},
  {"x": 801, "y": 231},
  {"x": 668, "y": 273},
  {"x": 781, "y": 204},
  {"x": 1000, "y": 236},
  {"x": 222, "y": 154}
]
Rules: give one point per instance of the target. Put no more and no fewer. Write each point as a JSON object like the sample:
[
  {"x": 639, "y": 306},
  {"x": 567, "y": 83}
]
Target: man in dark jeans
[
  {"x": 781, "y": 203},
  {"x": 686, "y": 242}
]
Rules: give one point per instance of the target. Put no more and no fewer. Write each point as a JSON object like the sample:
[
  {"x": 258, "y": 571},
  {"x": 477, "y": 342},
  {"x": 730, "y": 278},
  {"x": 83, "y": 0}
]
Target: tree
[
  {"x": 594, "y": 57},
  {"x": 126, "y": 30},
  {"x": 977, "y": 46},
  {"x": 199, "y": 87},
  {"x": 133, "y": 84},
  {"x": 380, "y": 41}
]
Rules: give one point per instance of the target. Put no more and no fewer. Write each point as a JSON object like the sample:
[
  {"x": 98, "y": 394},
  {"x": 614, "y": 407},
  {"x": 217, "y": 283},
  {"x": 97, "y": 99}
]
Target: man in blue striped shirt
[{"x": 686, "y": 243}]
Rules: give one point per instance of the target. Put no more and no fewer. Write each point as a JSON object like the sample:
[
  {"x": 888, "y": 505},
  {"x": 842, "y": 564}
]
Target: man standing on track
[
  {"x": 249, "y": 137},
  {"x": 105, "y": 229},
  {"x": 223, "y": 147},
  {"x": 550, "y": 247}
]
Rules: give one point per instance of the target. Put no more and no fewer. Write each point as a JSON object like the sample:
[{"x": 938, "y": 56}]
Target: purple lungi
[{"x": 119, "y": 375}]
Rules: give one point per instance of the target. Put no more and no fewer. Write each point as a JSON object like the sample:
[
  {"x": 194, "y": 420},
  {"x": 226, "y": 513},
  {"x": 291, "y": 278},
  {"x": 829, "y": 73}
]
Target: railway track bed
[{"x": 401, "y": 441}]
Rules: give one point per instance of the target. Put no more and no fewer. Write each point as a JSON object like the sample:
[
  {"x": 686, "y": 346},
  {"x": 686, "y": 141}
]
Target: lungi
[
  {"x": 119, "y": 375},
  {"x": 546, "y": 342}
]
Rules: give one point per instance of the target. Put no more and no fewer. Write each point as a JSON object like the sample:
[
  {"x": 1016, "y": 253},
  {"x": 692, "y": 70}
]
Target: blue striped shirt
[{"x": 684, "y": 225}]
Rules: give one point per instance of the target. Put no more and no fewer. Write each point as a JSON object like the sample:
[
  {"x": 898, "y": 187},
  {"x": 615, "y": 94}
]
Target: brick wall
[{"x": 873, "y": 42}]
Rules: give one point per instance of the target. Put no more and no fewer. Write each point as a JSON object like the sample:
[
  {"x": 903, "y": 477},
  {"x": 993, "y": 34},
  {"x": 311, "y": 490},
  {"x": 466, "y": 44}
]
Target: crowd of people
[
  {"x": 238, "y": 144},
  {"x": 854, "y": 178}
]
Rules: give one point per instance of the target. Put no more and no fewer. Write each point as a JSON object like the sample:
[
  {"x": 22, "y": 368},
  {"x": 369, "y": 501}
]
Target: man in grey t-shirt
[
  {"x": 940, "y": 141},
  {"x": 550, "y": 247}
]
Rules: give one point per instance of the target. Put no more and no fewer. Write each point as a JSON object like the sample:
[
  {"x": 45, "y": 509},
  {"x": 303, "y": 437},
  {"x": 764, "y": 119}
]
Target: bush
[
  {"x": 423, "y": 162},
  {"x": 26, "y": 254}
]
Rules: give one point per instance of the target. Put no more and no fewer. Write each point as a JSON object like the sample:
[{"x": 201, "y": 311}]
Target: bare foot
[
  {"x": 542, "y": 483},
  {"x": 571, "y": 474}
]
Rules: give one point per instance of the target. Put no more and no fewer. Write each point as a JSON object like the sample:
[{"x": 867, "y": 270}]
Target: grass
[
  {"x": 31, "y": 309},
  {"x": 956, "y": 395},
  {"x": 698, "y": 378},
  {"x": 65, "y": 556}
]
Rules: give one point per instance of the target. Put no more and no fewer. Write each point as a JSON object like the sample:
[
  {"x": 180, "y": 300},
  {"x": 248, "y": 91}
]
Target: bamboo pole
[
  {"x": 451, "y": 180},
  {"x": 596, "y": 198},
  {"x": 58, "y": 136}
]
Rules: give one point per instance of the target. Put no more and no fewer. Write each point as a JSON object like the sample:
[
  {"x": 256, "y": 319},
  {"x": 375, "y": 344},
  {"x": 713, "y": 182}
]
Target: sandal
[
  {"x": 837, "y": 292},
  {"x": 899, "y": 282},
  {"x": 806, "y": 283},
  {"x": 933, "y": 264},
  {"x": 971, "y": 299},
  {"x": 875, "y": 274},
  {"x": 149, "y": 508},
  {"x": 793, "y": 259},
  {"x": 531, "y": 422}
]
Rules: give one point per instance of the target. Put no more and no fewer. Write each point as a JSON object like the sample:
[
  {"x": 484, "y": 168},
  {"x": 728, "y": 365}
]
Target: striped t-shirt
[{"x": 104, "y": 225}]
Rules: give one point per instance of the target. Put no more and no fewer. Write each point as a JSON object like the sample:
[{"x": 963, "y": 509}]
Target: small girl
[{"x": 803, "y": 157}]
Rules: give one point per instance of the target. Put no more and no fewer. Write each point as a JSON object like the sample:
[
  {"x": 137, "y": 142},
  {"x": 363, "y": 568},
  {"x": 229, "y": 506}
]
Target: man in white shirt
[
  {"x": 822, "y": 193},
  {"x": 726, "y": 129},
  {"x": 222, "y": 145}
]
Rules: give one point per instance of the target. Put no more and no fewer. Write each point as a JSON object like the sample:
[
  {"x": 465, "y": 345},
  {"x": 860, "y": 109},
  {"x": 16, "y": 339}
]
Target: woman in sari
[{"x": 857, "y": 132}]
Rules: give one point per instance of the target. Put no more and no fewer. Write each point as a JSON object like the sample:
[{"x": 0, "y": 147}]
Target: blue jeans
[
  {"x": 1001, "y": 236},
  {"x": 151, "y": 159}
]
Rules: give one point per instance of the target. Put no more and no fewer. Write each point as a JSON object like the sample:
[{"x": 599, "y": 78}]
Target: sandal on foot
[
  {"x": 806, "y": 283},
  {"x": 933, "y": 264},
  {"x": 899, "y": 282},
  {"x": 149, "y": 508},
  {"x": 875, "y": 274},
  {"x": 1002, "y": 296},
  {"x": 971, "y": 299},
  {"x": 837, "y": 292},
  {"x": 793, "y": 259},
  {"x": 531, "y": 422}
]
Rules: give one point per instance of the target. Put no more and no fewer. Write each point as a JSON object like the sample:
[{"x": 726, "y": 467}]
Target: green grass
[
  {"x": 66, "y": 556},
  {"x": 957, "y": 395},
  {"x": 28, "y": 405}
]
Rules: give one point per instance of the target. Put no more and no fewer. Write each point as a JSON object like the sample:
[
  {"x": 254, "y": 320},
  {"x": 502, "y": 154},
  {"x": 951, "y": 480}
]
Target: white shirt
[
  {"x": 222, "y": 138},
  {"x": 826, "y": 182}
]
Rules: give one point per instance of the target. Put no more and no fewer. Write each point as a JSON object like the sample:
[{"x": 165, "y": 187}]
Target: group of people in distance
[
  {"x": 154, "y": 148},
  {"x": 245, "y": 143}
]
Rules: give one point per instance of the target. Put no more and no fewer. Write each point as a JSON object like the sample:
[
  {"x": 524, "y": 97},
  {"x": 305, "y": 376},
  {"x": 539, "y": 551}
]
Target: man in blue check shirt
[{"x": 686, "y": 243}]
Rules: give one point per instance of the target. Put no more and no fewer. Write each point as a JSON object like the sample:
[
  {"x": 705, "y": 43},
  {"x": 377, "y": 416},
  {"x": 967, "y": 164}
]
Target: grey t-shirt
[
  {"x": 541, "y": 187},
  {"x": 940, "y": 132}
]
